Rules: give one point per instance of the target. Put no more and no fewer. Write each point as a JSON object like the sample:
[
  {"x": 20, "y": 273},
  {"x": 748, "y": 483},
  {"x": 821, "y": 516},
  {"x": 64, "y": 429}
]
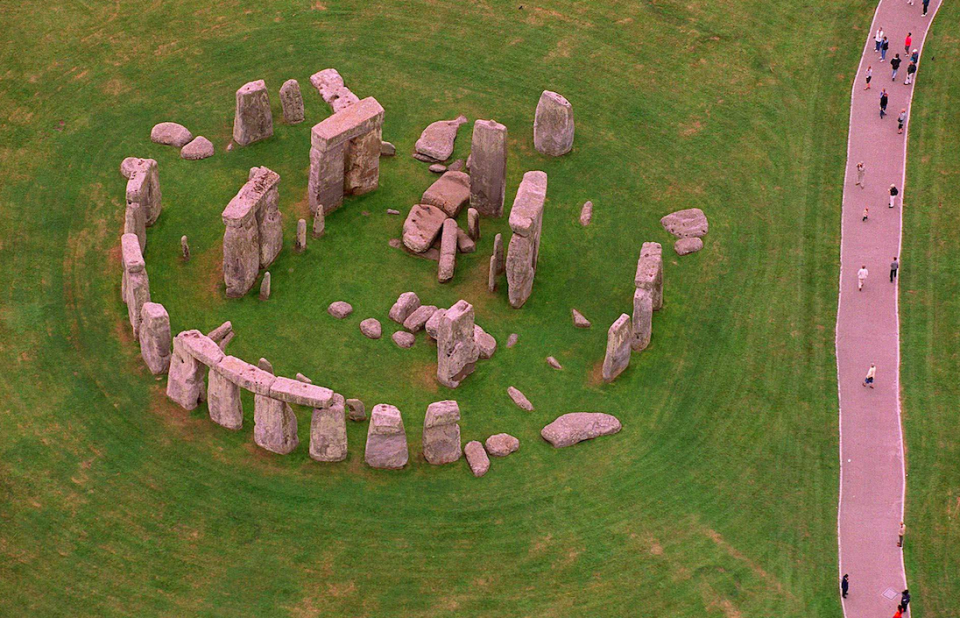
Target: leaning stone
[
  {"x": 617, "y": 358},
  {"x": 512, "y": 340},
  {"x": 586, "y": 214},
  {"x": 553, "y": 126},
  {"x": 450, "y": 193},
  {"x": 686, "y": 246},
  {"x": 473, "y": 223},
  {"x": 301, "y": 243},
  {"x": 386, "y": 446},
  {"x": 184, "y": 248},
  {"x": 266, "y": 366},
  {"x": 219, "y": 333},
  {"x": 387, "y": 149},
  {"x": 403, "y": 339},
  {"x": 502, "y": 444},
  {"x": 371, "y": 328},
  {"x": 477, "y": 458},
  {"x": 448, "y": 251},
  {"x": 418, "y": 317},
  {"x": 486, "y": 344},
  {"x": 465, "y": 244},
  {"x": 274, "y": 425},
  {"x": 170, "y": 134},
  {"x": 642, "y": 321},
  {"x": 432, "y": 325},
  {"x": 554, "y": 363},
  {"x": 457, "y": 351},
  {"x": 441, "y": 433},
  {"x": 340, "y": 309},
  {"x": 155, "y": 338},
  {"x": 291, "y": 102},
  {"x": 407, "y": 303},
  {"x": 436, "y": 141},
  {"x": 422, "y": 226},
  {"x": 488, "y": 167},
  {"x": 356, "y": 410},
  {"x": 253, "y": 120},
  {"x": 265, "y": 286},
  {"x": 570, "y": 429},
  {"x": 199, "y": 148},
  {"x": 223, "y": 401},
  {"x": 328, "y": 432},
  {"x": 578, "y": 320},
  {"x": 686, "y": 223},
  {"x": 438, "y": 168},
  {"x": 520, "y": 399}
]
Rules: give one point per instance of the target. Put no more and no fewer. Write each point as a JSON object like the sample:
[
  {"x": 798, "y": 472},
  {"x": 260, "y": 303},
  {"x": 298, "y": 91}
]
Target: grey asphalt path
[{"x": 872, "y": 472}]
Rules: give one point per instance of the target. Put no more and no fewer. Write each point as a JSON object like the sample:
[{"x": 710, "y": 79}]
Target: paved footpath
[{"x": 872, "y": 472}]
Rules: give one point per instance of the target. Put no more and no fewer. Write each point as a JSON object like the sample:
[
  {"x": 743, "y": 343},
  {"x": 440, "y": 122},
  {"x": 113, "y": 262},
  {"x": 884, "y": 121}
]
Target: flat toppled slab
[
  {"x": 570, "y": 429},
  {"x": 686, "y": 223}
]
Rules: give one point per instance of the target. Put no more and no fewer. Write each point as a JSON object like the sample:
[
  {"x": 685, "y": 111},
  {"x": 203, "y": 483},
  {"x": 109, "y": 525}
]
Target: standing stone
[
  {"x": 143, "y": 187},
  {"x": 488, "y": 167},
  {"x": 155, "y": 338},
  {"x": 301, "y": 244},
  {"x": 386, "y": 446},
  {"x": 441, "y": 433},
  {"x": 253, "y": 234},
  {"x": 586, "y": 214},
  {"x": 223, "y": 401},
  {"x": 356, "y": 410},
  {"x": 448, "y": 251},
  {"x": 617, "y": 357},
  {"x": 436, "y": 142},
  {"x": 185, "y": 378},
  {"x": 135, "y": 286},
  {"x": 184, "y": 248},
  {"x": 328, "y": 432},
  {"x": 274, "y": 425},
  {"x": 269, "y": 219},
  {"x": 497, "y": 263},
  {"x": 526, "y": 221},
  {"x": 457, "y": 351},
  {"x": 492, "y": 275},
  {"x": 642, "y": 321},
  {"x": 253, "y": 120},
  {"x": 266, "y": 365},
  {"x": 291, "y": 101},
  {"x": 473, "y": 224},
  {"x": 407, "y": 303},
  {"x": 553, "y": 125},
  {"x": 387, "y": 149},
  {"x": 477, "y": 458},
  {"x": 135, "y": 223},
  {"x": 319, "y": 223},
  {"x": 650, "y": 272},
  {"x": 265, "y": 286}
]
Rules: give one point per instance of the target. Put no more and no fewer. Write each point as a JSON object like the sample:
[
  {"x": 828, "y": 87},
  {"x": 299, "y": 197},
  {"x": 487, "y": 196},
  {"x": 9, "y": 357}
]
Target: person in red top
[
  {"x": 907, "y": 41},
  {"x": 899, "y": 613}
]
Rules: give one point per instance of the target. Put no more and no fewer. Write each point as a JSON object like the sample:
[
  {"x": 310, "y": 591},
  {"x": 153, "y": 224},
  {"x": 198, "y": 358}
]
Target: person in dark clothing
[
  {"x": 883, "y": 49},
  {"x": 844, "y": 586},
  {"x": 911, "y": 70},
  {"x": 894, "y": 192},
  {"x": 905, "y": 599},
  {"x": 894, "y": 267},
  {"x": 926, "y": 3},
  {"x": 883, "y": 102},
  {"x": 895, "y": 65}
]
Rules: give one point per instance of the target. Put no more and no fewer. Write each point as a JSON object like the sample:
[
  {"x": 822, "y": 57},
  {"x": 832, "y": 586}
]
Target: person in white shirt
[
  {"x": 871, "y": 373},
  {"x": 878, "y": 39},
  {"x": 861, "y": 277}
]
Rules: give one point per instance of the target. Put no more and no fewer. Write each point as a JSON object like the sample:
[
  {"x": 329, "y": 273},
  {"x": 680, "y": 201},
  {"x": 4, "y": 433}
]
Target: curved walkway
[{"x": 872, "y": 471}]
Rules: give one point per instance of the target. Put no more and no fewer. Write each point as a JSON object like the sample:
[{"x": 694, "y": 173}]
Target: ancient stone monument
[
  {"x": 253, "y": 120},
  {"x": 448, "y": 251},
  {"x": 345, "y": 155},
  {"x": 329, "y": 85},
  {"x": 553, "y": 125},
  {"x": 477, "y": 458},
  {"x": 619, "y": 336},
  {"x": 450, "y": 193},
  {"x": 649, "y": 293},
  {"x": 488, "y": 171},
  {"x": 155, "y": 338},
  {"x": 291, "y": 102},
  {"x": 436, "y": 142},
  {"x": 328, "y": 432},
  {"x": 254, "y": 233},
  {"x": 386, "y": 440},
  {"x": 143, "y": 188},
  {"x": 407, "y": 303},
  {"x": 526, "y": 221},
  {"x": 134, "y": 285},
  {"x": 570, "y": 429},
  {"x": 441, "y": 433},
  {"x": 457, "y": 352}
]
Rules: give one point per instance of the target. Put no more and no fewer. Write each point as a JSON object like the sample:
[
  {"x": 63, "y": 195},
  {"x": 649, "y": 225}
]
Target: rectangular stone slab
[
  {"x": 527, "y": 211},
  {"x": 347, "y": 124},
  {"x": 301, "y": 393},
  {"x": 130, "y": 250},
  {"x": 246, "y": 375},
  {"x": 201, "y": 347}
]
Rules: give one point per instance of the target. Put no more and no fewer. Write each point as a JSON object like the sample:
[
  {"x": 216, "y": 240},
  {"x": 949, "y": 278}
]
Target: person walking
[
  {"x": 861, "y": 171},
  {"x": 905, "y": 599},
  {"x": 884, "y": 46},
  {"x": 915, "y": 56},
  {"x": 899, "y": 612},
  {"x": 871, "y": 374},
  {"x": 911, "y": 70},
  {"x": 894, "y": 192},
  {"x": 907, "y": 42},
  {"x": 926, "y": 3},
  {"x": 845, "y": 586},
  {"x": 883, "y": 102},
  {"x": 902, "y": 118},
  {"x": 866, "y": 213},
  {"x": 861, "y": 277},
  {"x": 869, "y": 76},
  {"x": 903, "y": 532},
  {"x": 894, "y": 267},
  {"x": 878, "y": 39},
  {"x": 895, "y": 65}
]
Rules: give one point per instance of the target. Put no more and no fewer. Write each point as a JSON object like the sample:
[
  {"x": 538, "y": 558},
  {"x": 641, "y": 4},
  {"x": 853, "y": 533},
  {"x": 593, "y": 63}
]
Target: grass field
[{"x": 719, "y": 496}]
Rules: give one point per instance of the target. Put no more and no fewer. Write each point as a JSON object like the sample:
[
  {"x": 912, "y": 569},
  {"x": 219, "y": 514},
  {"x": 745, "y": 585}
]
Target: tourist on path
[
  {"x": 871, "y": 374},
  {"x": 903, "y": 532},
  {"x": 869, "y": 76},
  {"x": 861, "y": 171},
  {"x": 894, "y": 267},
  {"x": 878, "y": 39},
  {"x": 902, "y": 118},
  {"x": 907, "y": 42},
  {"x": 926, "y": 3},
  {"x": 911, "y": 69},
  {"x": 894, "y": 192},
  {"x": 883, "y": 49},
  {"x": 915, "y": 56},
  {"x": 866, "y": 213},
  {"x": 895, "y": 65},
  {"x": 845, "y": 586},
  {"x": 861, "y": 277},
  {"x": 899, "y": 612},
  {"x": 883, "y": 102},
  {"x": 905, "y": 599}
]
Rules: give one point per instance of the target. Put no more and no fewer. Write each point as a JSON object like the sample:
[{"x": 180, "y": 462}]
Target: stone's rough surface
[
  {"x": 432, "y": 325},
  {"x": 199, "y": 148},
  {"x": 554, "y": 363},
  {"x": 438, "y": 168},
  {"x": 512, "y": 340},
  {"x": 403, "y": 339},
  {"x": 185, "y": 378},
  {"x": 488, "y": 167},
  {"x": 362, "y": 156},
  {"x": 650, "y": 272},
  {"x": 328, "y": 432},
  {"x": 526, "y": 221},
  {"x": 386, "y": 440},
  {"x": 291, "y": 102},
  {"x": 619, "y": 337},
  {"x": 330, "y": 86},
  {"x": 418, "y": 317},
  {"x": 319, "y": 224},
  {"x": 448, "y": 251},
  {"x": 253, "y": 235},
  {"x": 502, "y": 444},
  {"x": 253, "y": 120},
  {"x": 265, "y": 287},
  {"x": 477, "y": 458},
  {"x": 686, "y": 223},
  {"x": 456, "y": 166},
  {"x": 219, "y": 333},
  {"x": 131, "y": 164},
  {"x": 586, "y": 214},
  {"x": 301, "y": 393},
  {"x": 486, "y": 344},
  {"x": 134, "y": 285},
  {"x": 246, "y": 375},
  {"x": 436, "y": 141},
  {"x": 422, "y": 226},
  {"x": 520, "y": 399},
  {"x": 457, "y": 351},
  {"x": 223, "y": 401},
  {"x": 553, "y": 125},
  {"x": 143, "y": 187},
  {"x": 202, "y": 348},
  {"x": 340, "y": 309},
  {"x": 301, "y": 242},
  {"x": 569, "y": 429},
  {"x": 184, "y": 248},
  {"x": 274, "y": 425},
  {"x": 450, "y": 193},
  {"x": 170, "y": 134},
  {"x": 686, "y": 246},
  {"x": 642, "y": 321},
  {"x": 387, "y": 149},
  {"x": 371, "y": 328},
  {"x": 473, "y": 223},
  {"x": 407, "y": 303},
  {"x": 266, "y": 366},
  {"x": 155, "y": 338},
  {"x": 465, "y": 244},
  {"x": 578, "y": 320},
  {"x": 441, "y": 433},
  {"x": 356, "y": 410}
]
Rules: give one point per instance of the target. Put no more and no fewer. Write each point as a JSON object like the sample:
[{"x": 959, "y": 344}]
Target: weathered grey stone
[
  {"x": 223, "y": 401},
  {"x": 253, "y": 234},
  {"x": 650, "y": 272},
  {"x": 502, "y": 444},
  {"x": 512, "y": 340},
  {"x": 291, "y": 102},
  {"x": 134, "y": 222},
  {"x": 393, "y": 211},
  {"x": 130, "y": 164},
  {"x": 387, "y": 149},
  {"x": 586, "y": 214},
  {"x": 441, "y": 433},
  {"x": 457, "y": 351},
  {"x": 330, "y": 86},
  {"x": 253, "y": 120},
  {"x": 456, "y": 166},
  {"x": 436, "y": 141},
  {"x": 356, "y": 410},
  {"x": 477, "y": 458},
  {"x": 432, "y": 325},
  {"x": 486, "y": 344},
  {"x": 465, "y": 244},
  {"x": 553, "y": 125},
  {"x": 488, "y": 167},
  {"x": 143, "y": 187},
  {"x": 135, "y": 285},
  {"x": 371, "y": 328},
  {"x": 155, "y": 338},
  {"x": 578, "y": 320},
  {"x": 570, "y": 429},
  {"x": 520, "y": 399},
  {"x": 526, "y": 221},
  {"x": 617, "y": 358},
  {"x": 303, "y": 378},
  {"x": 301, "y": 242},
  {"x": 184, "y": 248},
  {"x": 418, "y": 317},
  {"x": 403, "y": 339},
  {"x": 265, "y": 286},
  {"x": 319, "y": 223},
  {"x": 386, "y": 446},
  {"x": 274, "y": 425},
  {"x": 686, "y": 246},
  {"x": 437, "y": 168},
  {"x": 422, "y": 226},
  {"x": 448, "y": 251},
  {"x": 219, "y": 333},
  {"x": 642, "y": 321},
  {"x": 328, "y": 432},
  {"x": 266, "y": 366},
  {"x": 185, "y": 378},
  {"x": 407, "y": 303},
  {"x": 170, "y": 134},
  {"x": 450, "y": 193},
  {"x": 686, "y": 223},
  {"x": 554, "y": 363},
  {"x": 340, "y": 309},
  {"x": 473, "y": 223},
  {"x": 246, "y": 375},
  {"x": 198, "y": 148}
]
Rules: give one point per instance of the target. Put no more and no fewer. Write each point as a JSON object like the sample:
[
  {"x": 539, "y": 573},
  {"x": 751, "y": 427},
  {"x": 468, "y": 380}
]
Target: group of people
[
  {"x": 881, "y": 46},
  {"x": 901, "y": 607}
]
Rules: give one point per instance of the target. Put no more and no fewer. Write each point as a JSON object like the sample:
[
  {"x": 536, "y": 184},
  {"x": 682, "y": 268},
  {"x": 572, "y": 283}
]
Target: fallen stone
[
  {"x": 465, "y": 244},
  {"x": 387, "y": 149},
  {"x": 438, "y": 168},
  {"x": 477, "y": 458},
  {"x": 450, "y": 193},
  {"x": 328, "y": 432},
  {"x": 586, "y": 214},
  {"x": 686, "y": 223},
  {"x": 265, "y": 286},
  {"x": 171, "y": 134},
  {"x": 578, "y": 320},
  {"x": 448, "y": 251},
  {"x": 456, "y": 166},
  {"x": 407, "y": 303},
  {"x": 554, "y": 363},
  {"x": 386, "y": 446},
  {"x": 570, "y": 429},
  {"x": 291, "y": 102},
  {"x": 393, "y": 211},
  {"x": 371, "y": 328},
  {"x": 356, "y": 410},
  {"x": 432, "y": 325},
  {"x": 340, "y": 309},
  {"x": 436, "y": 141},
  {"x": 686, "y": 246},
  {"x": 502, "y": 444},
  {"x": 486, "y": 344},
  {"x": 520, "y": 399},
  {"x": 422, "y": 226},
  {"x": 199, "y": 148},
  {"x": 419, "y": 317},
  {"x": 553, "y": 125},
  {"x": 441, "y": 433},
  {"x": 619, "y": 338},
  {"x": 512, "y": 340},
  {"x": 403, "y": 339},
  {"x": 155, "y": 338},
  {"x": 253, "y": 120}
]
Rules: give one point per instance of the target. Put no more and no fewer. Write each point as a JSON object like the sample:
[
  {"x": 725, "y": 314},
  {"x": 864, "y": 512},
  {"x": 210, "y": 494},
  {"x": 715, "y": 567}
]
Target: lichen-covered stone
[
  {"x": 291, "y": 102},
  {"x": 617, "y": 358},
  {"x": 386, "y": 446},
  {"x": 419, "y": 317},
  {"x": 486, "y": 344},
  {"x": 275, "y": 425},
  {"x": 586, "y": 214},
  {"x": 155, "y": 338},
  {"x": 328, "y": 432},
  {"x": 143, "y": 187},
  {"x": 578, "y": 320},
  {"x": 441, "y": 433},
  {"x": 686, "y": 246},
  {"x": 553, "y": 126},
  {"x": 265, "y": 287},
  {"x": 570, "y": 429},
  {"x": 403, "y": 339},
  {"x": 253, "y": 120},
  {"x": 185, "y": 377}
]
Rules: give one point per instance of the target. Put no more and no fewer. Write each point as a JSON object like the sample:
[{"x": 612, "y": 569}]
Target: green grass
[{"x": 718, "y": 498}]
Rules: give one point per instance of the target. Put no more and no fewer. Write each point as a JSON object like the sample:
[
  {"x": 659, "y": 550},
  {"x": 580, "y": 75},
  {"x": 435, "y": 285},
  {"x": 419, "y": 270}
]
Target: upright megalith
[
  {"x": 192, "y": 353},
  {"x": 291, "y": 102},
  {"x": 345, "y": 155},
  {"x": 386, "y": 439},
  {"x": 155, "y": 338},
  {"x": 134, "y": 222},
  {"x": 275, "y": 425},
  {"x": 254, "y": 233},
  {"x": 473, "y": 223},
  {"x": 526, "y": 221},
  {"x": 253, "y": 120},
  {"x": 301, "y": 243},
  {"x": 328, "y": 431},
  {"x": 184, "y": 249},
  {"x": 457, "y": 351},
  {"x": 648, "y": 296},
  {"x": 265, "y": 286},
  {"x": 497, "y": 263},
  {"x": 143, "y": 188},
  {"x": 441, "y": 433},
  {"x": 617, "y": 357},
  {"x": 488, "y": 167},
  {"x": 553, "y": 125},
  {"x": 135, "y": 285},
  {"x": 223, "y": 401}
]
